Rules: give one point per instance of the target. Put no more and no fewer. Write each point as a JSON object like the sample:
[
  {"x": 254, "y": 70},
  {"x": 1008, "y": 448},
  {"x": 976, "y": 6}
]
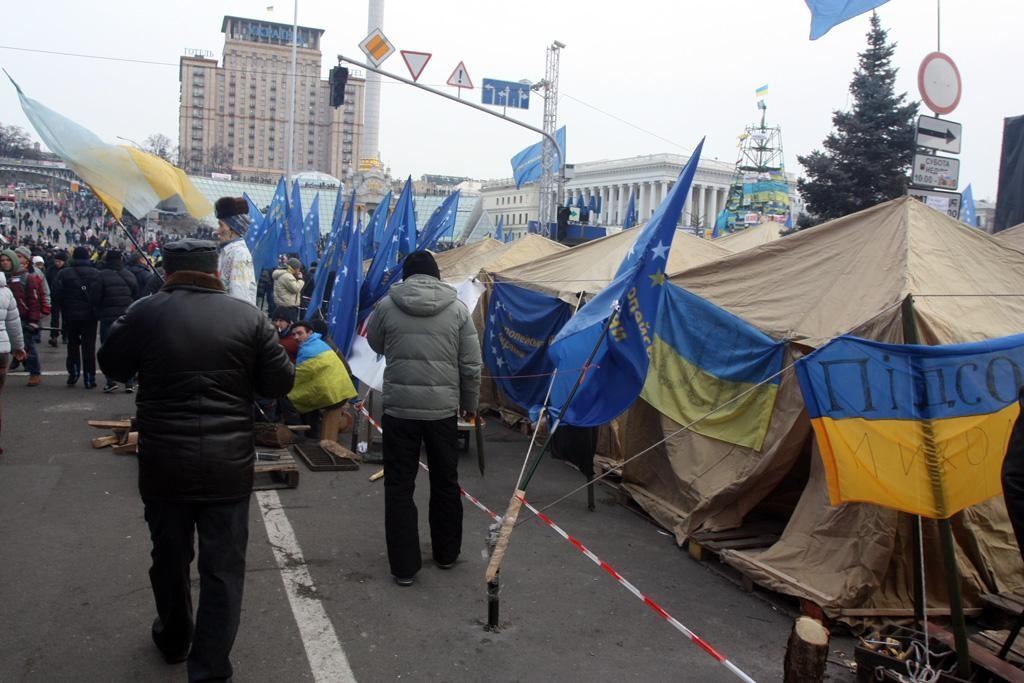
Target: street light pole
[{"x": 291, "y": 92}]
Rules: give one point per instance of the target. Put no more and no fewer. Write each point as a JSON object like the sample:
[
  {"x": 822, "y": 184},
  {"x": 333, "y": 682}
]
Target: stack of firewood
[{"x": 123, "y": 441}]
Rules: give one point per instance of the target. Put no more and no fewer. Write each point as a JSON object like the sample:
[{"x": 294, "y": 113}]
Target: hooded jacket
[
  {"x": 11, "y": 336},
  {"x": 117, "y": 290},
  {"x": 201, "y": 357},
  {"x": 76, "y": 289},
  {"x": 430, "y": 344},
  {"x": 287, "y": 288},
  {"x": 27, "y": 289}
]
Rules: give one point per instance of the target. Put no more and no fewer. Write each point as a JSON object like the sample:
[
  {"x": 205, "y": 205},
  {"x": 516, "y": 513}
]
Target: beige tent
[
  {"x": 848, "y": 275},
  {"x": 1013, "y": 236},
  {"x": 590, "y": 266},
  {"x": 753, "y": 236},
  {"x": 467, "y": 261}
]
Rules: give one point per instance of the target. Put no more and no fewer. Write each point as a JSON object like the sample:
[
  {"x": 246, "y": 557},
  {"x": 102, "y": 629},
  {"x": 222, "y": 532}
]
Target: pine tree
[{"x": 870, "y": 149}]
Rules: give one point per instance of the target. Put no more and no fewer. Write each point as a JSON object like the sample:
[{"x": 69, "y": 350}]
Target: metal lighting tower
[{"x": 551, "y": 177}]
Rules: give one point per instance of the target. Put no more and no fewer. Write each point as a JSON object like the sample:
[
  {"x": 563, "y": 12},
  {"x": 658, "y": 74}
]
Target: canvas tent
[
  {"x": 1013, "y": 236},
  {"x": 753, "y": 236},
  {"x": 846, "y": 276},
  {"x": 590, "y": 266},
  {"x": 468, "y": 260}
]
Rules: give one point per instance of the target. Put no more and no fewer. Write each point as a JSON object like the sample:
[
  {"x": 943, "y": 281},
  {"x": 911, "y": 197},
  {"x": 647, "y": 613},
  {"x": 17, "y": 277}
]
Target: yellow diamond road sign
[{"x": 377, "y": 47}]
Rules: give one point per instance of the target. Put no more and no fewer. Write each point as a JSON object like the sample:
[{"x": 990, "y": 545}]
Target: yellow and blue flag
[
  {"x": 922, "y": 429},
  {"x": 616, "y": 328},
  {"x": 762, "y": 92},
  {"x": 320, "y": 377},
  {"x": 704, "y": 357}
]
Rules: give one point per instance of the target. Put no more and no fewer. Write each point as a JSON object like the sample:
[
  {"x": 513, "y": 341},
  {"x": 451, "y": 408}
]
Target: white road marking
[{"x": 327, "y": 659}]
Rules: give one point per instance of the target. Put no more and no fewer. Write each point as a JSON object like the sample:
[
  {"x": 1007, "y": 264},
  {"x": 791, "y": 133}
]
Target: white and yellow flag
[{"x": 122, "y": 177}]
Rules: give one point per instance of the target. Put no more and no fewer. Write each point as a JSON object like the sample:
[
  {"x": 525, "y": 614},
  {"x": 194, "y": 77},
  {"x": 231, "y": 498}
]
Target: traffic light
[{"x": 338, "y": 79}]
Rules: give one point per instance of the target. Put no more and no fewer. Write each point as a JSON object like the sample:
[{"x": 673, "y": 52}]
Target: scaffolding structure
[{"x": 551, "y": 162}]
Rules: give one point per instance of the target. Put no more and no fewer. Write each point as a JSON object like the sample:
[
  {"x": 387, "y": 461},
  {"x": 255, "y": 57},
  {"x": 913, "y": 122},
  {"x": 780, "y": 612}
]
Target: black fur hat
[
  {"x": 231, "y": 206},
  {"x": 190, "y": 254}
]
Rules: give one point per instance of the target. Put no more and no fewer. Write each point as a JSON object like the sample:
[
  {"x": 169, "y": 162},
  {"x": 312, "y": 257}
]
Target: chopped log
[
  {"x": 110, "y": 424},
  {"x": 334, "y": 421},
  {"x": 274, "y": 435},
  {"x": 339, "y": 451},
  {"x": 379, "y": 474},
  {"x": 104, "y": 441},
  {"x": 806, "y": 651}
]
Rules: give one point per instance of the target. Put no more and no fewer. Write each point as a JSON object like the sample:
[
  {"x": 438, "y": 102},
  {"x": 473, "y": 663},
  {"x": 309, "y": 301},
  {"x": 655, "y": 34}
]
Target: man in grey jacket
[{"x": 432, "y": 376}]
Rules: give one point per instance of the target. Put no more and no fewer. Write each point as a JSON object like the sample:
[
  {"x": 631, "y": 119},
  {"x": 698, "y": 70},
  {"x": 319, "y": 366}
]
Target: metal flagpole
[{"x": 291, "y": 93}]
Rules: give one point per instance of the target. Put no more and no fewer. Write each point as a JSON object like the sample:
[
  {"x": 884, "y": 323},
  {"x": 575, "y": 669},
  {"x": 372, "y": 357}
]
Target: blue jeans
[{"x": 32, "y": 360}]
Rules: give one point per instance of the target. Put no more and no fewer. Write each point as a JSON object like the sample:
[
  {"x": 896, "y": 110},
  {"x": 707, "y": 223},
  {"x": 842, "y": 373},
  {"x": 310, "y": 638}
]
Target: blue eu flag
[
  {"x": 526, "y": 165},
  {"x": 441, "y": 222},
  {"x": 618, "y": 322},
  {"x": 332, "y": 257},
  {"x": 342, "y": 314}
]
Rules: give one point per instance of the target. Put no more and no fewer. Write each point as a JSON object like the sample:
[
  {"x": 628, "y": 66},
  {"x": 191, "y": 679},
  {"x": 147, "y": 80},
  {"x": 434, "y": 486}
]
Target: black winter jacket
[
  {"x": 117, "y": 290},
  {"x": 201, "y": 357},
  {"x": 141, "y": 274},
  {"x": 76, "y": 290}
]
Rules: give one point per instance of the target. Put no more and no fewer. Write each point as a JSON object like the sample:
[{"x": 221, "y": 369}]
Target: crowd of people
[{"x": 212, "y": 348}]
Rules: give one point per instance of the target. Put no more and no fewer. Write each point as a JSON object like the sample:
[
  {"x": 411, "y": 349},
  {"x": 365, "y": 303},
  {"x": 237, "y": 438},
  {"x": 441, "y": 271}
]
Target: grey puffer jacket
[{"x": 431, "y": 349}]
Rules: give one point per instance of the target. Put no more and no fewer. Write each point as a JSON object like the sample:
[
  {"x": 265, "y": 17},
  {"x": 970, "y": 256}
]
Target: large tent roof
[
  {"x": 592, "y": 265},
  {"x": 1013, "y": 236},
  {"x": 850, "y": 275},
  {"x": 754, "y": 236},
  {"x": 468, "y": 260}
]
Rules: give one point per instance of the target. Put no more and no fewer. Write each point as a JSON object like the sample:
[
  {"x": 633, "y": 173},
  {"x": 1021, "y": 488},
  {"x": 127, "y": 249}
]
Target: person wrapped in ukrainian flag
[{"x": 321, "y": 380}]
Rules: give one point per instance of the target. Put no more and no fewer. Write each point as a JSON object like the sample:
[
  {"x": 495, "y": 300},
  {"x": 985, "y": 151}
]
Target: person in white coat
[
  {"x": 12, "y": 342},
  {"x": 235, "y": 266}
]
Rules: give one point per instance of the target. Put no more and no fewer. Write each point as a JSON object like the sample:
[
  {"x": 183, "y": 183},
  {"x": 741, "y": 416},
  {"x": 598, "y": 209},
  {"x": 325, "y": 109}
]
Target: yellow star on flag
[{"x": 657, "y": 279}]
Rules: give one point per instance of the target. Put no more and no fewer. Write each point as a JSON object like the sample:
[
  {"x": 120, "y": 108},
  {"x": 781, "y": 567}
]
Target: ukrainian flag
[
  {"x": 702, "y": 358},
  {"x": 762, "y": 92},
  {"x": 320, "y": 377},
  {"x": 922, "y": 429}
]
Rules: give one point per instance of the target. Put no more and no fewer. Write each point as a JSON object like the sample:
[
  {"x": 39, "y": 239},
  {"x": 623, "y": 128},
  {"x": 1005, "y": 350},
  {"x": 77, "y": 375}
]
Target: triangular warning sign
[
  {"x": 460, "y": 77},
  {"x": 416, "y": 61}
]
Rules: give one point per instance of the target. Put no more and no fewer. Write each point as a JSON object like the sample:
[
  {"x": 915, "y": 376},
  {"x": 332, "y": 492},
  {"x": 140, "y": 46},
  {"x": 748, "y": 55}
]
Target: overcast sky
[{"x": 637, "y": 77}]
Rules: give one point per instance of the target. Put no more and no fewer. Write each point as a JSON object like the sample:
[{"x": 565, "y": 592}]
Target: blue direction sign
[{"x": 506, "y": 93}]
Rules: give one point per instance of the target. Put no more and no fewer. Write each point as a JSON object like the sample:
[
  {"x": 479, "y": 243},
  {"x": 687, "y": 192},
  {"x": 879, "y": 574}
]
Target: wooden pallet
[
  {"x": 282, "y": 473},
  {"x": 980, "y": 656},
  {"x": 708, "y": 545},
  {"x": 1002, "y": 609}
]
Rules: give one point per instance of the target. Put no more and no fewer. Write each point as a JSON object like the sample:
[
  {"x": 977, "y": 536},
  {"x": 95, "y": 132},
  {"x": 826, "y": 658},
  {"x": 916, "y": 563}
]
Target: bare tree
[
  {"x": 15, "y": 142},
  {"x": 159, "y": 145}
]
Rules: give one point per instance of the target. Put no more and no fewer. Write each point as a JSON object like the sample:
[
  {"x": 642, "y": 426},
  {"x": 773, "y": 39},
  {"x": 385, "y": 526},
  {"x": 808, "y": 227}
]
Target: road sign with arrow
[{"x": 939, "y": 134}]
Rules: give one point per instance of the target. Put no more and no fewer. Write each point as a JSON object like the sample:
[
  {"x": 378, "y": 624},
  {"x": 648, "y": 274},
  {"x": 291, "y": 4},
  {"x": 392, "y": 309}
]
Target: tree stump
[{"x": 806, "y": 651}]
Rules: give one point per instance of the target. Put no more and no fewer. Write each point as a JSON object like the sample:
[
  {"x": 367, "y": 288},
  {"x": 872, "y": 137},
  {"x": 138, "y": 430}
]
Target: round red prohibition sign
[{"x": 938, "y": 81}]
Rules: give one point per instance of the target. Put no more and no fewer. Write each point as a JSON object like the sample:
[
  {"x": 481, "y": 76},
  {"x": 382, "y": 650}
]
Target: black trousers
[
  {"x": 223, "y": 530},
  {"x": 81, "y": 356},
  {"x": 57, "y": 330},
  {"x": 402, "y": 440}
]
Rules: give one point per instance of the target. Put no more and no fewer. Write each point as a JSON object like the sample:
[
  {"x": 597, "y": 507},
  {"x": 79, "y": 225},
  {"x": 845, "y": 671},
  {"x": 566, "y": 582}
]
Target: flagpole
[
  {"x": 508, "y": 521},
  {"x": 291, "y": 92},
  {"x": 956, "y": 608}
]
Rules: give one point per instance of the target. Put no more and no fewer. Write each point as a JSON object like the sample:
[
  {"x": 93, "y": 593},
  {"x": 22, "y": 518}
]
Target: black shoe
[
  {"x": 129, "y": 388},
  {"x": 52, "y": 342},
  {"x": 175, "y": 655},
  {"x": 405, "y": 581},
  {"x": 445, "y": 565},
  {"x": 110, "y": 387},
  {"x": 72, "y": 379},
  {"x": 89, "y": 382}
]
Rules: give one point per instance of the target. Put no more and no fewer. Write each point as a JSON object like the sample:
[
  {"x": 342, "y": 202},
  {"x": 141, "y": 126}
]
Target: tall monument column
[{"x": 371, "y": 101}]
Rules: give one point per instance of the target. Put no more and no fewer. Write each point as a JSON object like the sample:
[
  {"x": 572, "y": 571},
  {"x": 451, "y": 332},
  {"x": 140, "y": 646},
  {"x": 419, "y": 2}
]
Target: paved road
[{"x": 76, "y": 601}]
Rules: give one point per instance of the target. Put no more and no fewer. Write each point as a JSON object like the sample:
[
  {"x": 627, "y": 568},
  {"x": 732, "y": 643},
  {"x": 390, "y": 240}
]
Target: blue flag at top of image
[
  {"x": 967, "y": 213},
  {"x": 311, "y": 233},
  {"x": 630, "y": 220},
  {"x": 295, "y": 222},
  {"x": 616, "y": 374},
  {"x": 264, "y": 247},
  {"x": 498, "y": 234},
  {"x": 526, "y": 165},
  {"x": 378, "y": 220},
  {"x": 827, "y": 14},
  {"x": 256, "y": 223},
  {"x": 342, "y": 314},
  {"x": 518, "y": 326},
  {"x": 441, "y": 222}
]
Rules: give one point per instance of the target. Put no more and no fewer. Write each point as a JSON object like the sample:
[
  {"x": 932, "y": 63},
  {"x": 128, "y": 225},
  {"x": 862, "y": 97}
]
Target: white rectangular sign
[
  {"x": 939, "y": 134},
  {"x": 946, "y": 202},
  {"x": 936, "y": 171}
]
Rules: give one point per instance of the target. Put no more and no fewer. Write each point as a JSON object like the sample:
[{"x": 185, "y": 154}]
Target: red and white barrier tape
[
  {"x": 658, "y": 609},
  {"x": 463, "y": 491}
]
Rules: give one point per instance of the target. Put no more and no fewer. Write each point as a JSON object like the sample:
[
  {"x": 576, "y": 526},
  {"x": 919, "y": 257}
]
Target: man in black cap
[
  {"x": 74, "y": 291},
  {"x": 60, "y": 257},
  {"x": 196, "y": 449},
  {"x": 236, "y": 269},
  {"x": 432, "y": 375}
]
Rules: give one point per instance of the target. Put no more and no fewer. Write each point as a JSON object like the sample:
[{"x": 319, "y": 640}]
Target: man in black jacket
[
  {"x": 60, "y": 258},
  {"x": 201, "y": 357},
  {"x": 75, "y": 290},
  {"x": 117, "y": 290}
]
